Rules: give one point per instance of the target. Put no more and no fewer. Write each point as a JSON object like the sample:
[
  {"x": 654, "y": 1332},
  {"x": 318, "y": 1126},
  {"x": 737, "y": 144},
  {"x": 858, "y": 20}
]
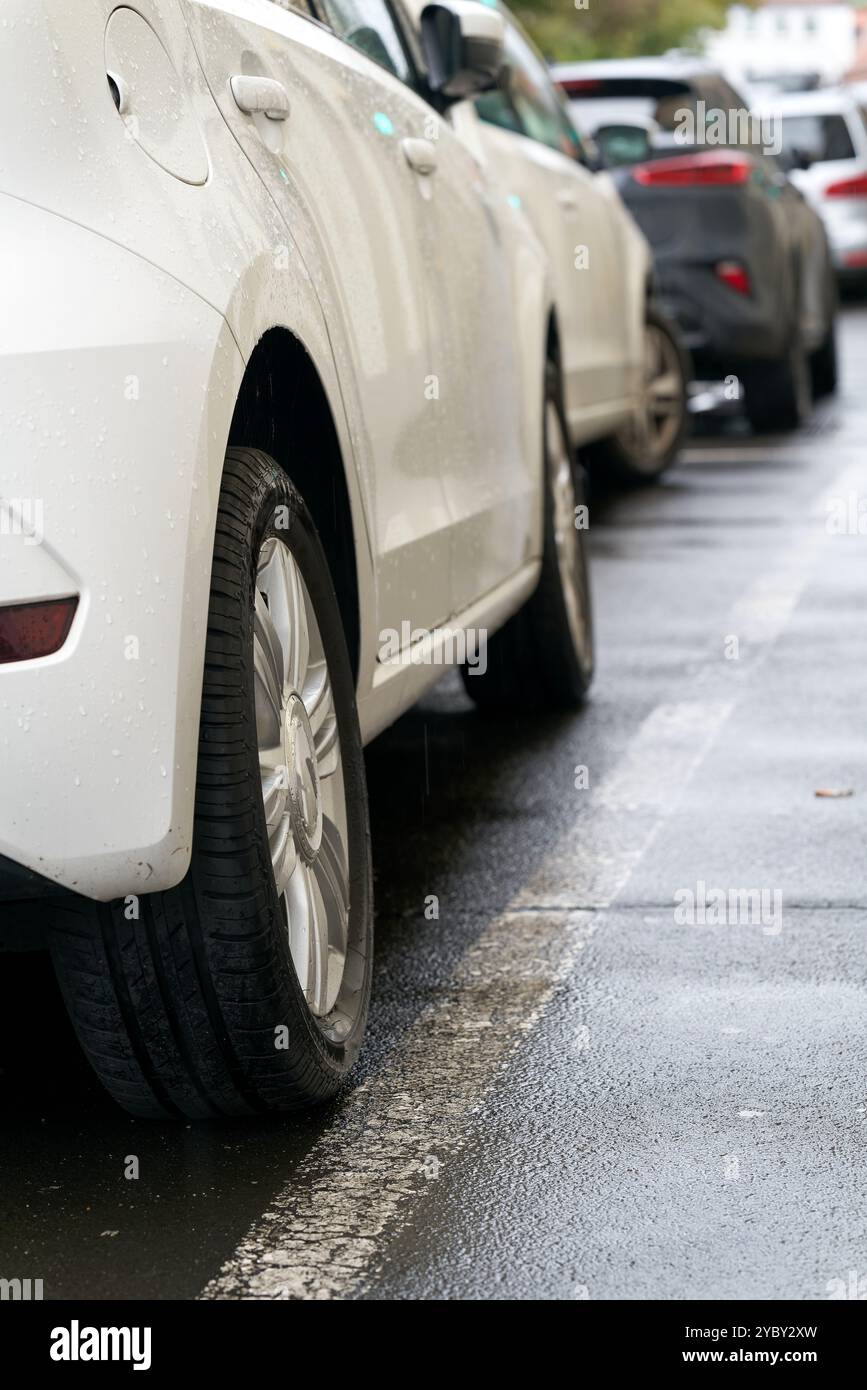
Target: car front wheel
[{"x": 649, "y": 441}]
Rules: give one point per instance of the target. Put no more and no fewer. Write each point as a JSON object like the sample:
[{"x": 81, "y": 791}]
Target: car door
[
  {"x": 325, "y": 118},
  {"x": 573, "y": 218},
  {"x": 490, "y": 461}
]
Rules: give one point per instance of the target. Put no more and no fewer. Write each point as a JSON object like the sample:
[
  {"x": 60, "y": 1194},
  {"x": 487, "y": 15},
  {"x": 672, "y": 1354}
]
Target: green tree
[{"x": 616, "y": 28}]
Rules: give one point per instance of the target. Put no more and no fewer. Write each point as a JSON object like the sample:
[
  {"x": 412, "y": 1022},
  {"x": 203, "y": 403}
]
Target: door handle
[
  {"x": 568, "y": 201},
  {"x": 261, "y": 96},
  {"x": 420, "y": 155}
]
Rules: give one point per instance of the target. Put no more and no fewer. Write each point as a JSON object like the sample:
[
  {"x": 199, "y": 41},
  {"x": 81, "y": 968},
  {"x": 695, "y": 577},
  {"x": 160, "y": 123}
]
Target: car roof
[{"x": 669, "y": 65}]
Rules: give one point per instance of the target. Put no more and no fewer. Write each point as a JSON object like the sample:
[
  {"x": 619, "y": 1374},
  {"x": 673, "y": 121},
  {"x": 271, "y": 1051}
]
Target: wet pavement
[{"x": 569, "y": 1091}]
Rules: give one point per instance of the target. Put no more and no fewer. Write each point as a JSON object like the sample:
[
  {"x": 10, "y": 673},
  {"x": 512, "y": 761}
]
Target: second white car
[{"x": 625, "y": 375}]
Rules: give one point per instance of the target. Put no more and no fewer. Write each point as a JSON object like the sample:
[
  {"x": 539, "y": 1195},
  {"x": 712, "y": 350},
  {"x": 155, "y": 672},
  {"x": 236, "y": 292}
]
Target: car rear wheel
[
  {"x": 643, "y": 448},
  {"x": 777, "y": 394},
  {"x": 543, "y": 657},
  {"x": 245, "y": 988}
]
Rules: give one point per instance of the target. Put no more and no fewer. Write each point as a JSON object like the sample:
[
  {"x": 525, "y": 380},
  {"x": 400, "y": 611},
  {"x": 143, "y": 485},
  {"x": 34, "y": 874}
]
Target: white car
[
  {"x": 281, "y": 436},
  {"x": 625, "y": 375},
  {"x": 824, "y": 140}
]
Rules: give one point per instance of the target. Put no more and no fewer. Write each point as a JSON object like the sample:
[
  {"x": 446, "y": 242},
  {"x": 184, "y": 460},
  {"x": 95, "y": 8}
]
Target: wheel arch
[
  {"x": 282, "y": 407},
  {"x": 552, "y": 355}
]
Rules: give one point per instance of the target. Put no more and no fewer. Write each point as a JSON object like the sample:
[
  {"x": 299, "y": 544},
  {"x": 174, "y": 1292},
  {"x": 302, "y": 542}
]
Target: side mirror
[{"x": 464, "y": 47}]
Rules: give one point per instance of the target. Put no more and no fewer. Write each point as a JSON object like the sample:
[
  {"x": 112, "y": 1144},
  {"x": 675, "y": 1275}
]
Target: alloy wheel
[
  {"x": 301, "y": 775},
  {"x": 657, "y": 422}
]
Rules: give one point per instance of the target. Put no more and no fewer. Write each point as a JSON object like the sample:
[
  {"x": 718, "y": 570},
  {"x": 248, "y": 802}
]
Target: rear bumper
[
  {"x": 720, "y": 327},
  {"x": 694, "y": 229},
  {"x": 116, "y": 389},
  {"x": 850, "y": 258},
  {"x": 845, "y": 222}
]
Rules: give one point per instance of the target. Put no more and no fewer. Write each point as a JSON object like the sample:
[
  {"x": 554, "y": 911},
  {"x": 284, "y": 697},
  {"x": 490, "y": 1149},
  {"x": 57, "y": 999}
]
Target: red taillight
[
  {"x": 28, "y": 630},
  {"x": 572, "y": 85},
  {"x": 735, "y": 275},
  {"x": 855, "y": 260},
  {"x": 715, "y": 167},
  {"x": 848, "y": 188}
]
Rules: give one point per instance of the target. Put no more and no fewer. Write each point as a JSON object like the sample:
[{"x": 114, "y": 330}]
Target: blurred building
[
  {"x": 858, "y": 70},
  {"x": 801, "y": 43}
]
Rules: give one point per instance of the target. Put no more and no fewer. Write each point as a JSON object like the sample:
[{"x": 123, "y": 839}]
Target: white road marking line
[
  {"x": 760, "y": 616},
  {"x": 670, "y": 743},
  {"x": 765, "y": 609},
  {"x": 324, "y": 1235}
]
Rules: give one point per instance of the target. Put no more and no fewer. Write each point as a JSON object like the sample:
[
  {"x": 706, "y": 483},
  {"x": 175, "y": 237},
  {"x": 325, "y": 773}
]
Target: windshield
[{"x": 822, "y": 137}]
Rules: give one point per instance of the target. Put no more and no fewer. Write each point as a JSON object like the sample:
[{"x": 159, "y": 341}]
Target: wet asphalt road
[{"x": 566, "y": 1093}]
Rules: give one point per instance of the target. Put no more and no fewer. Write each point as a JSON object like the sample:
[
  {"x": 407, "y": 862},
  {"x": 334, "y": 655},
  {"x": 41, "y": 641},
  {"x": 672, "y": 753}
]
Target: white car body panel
[
  {"x": 138, "y": 295},
  {"x": 600, "y": 301},
  {"x": 114, "y": 399},
  {"x": 599, "y": 263},
  {"x": 360, "y": 237},
  {"x": 473, "y": 494}
]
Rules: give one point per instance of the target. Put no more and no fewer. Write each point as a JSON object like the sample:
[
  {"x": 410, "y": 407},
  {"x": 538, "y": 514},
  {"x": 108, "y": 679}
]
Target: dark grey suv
[{"x": 742, "y": 260}]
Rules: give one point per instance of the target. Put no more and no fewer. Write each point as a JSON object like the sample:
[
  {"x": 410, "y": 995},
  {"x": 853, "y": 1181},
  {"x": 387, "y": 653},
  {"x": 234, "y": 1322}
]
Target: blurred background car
[
  {"x": 824, "y": 147},
  {"x": 742, "y": 259},
  {"x": 625, "y": 373}
]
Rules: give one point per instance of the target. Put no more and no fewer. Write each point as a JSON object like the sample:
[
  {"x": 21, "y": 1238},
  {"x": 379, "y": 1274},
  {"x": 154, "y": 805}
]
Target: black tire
[
  {"x": 777, "y": 393},
  {"x": 179, "y": 1010},
  {"x": 824, "y": 364},
  {"x": 535, "y": 661},
  {"x": 641, "y": 455}
]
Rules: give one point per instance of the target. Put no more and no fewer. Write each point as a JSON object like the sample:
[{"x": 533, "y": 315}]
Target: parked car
[
  {"x": 625, "y": 374},
  {"x": 824, "y": 146},
  {"x": 742, "y": 260},
  {"x": 280, "y": 426}
]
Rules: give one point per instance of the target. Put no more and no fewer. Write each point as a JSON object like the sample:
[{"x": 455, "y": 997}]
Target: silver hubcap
[
  {"x": 302, "y": 775},
  {"x": 655, "y": 425},
  {"x": 570, "y": 558}
]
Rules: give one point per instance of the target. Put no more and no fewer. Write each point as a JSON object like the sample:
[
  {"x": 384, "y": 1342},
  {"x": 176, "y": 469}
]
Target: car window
[
  {"x": 822, "y": 137},
  {"x": 570, "y": 141},
  {"x": 496, "y": 109},
  {"x": 730, "y": 99},
  {"x": 369, "y": 26},
  {"x": 623, "y": 144},
  {"x": 532, "y": 93}
]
